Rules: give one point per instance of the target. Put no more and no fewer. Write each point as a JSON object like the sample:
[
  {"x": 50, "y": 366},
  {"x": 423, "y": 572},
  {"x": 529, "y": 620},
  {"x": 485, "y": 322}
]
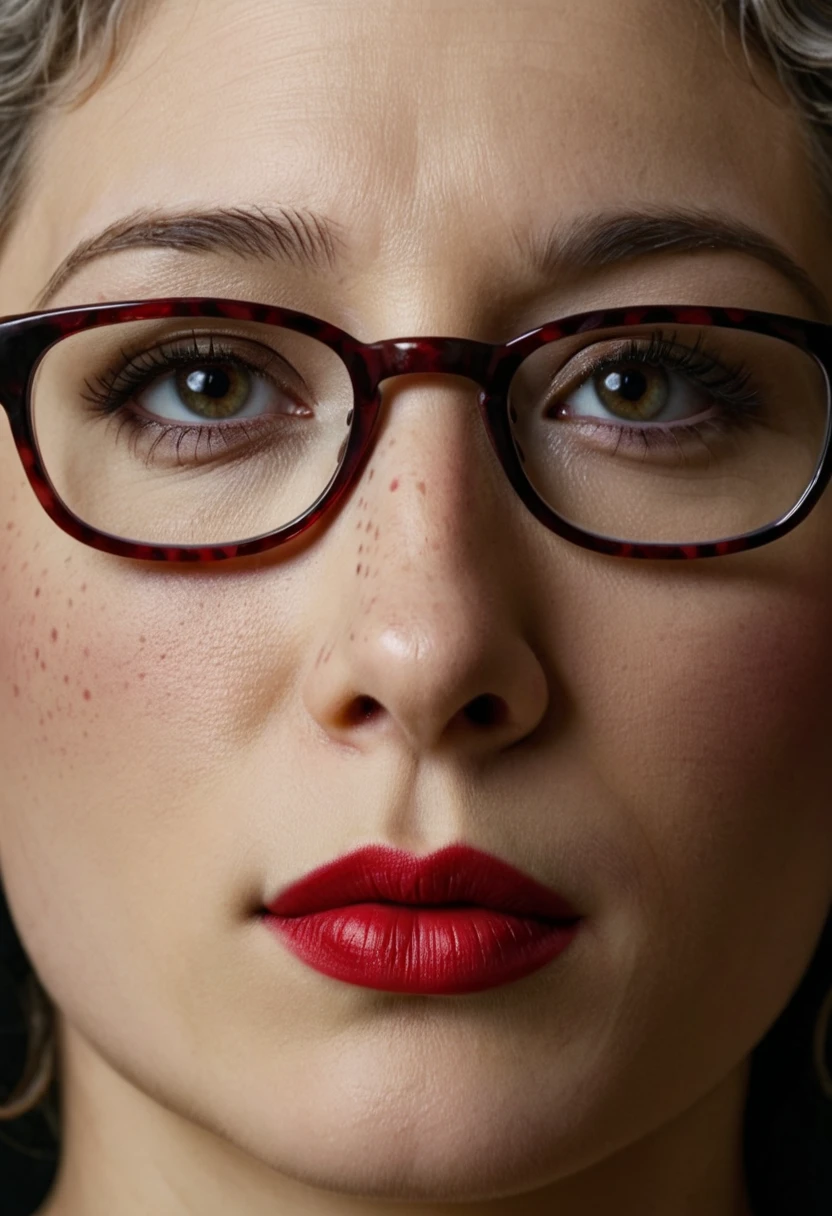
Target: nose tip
[{"x": 455, "y": 674}]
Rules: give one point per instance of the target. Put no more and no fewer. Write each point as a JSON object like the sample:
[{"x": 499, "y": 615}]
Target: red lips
[
  {"x": 457, "y": 874},
  {"x": 456, "y": 921}
]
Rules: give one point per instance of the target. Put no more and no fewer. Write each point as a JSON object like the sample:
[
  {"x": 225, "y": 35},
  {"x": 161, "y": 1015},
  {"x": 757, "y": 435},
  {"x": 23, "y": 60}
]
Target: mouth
[
  {"x": 456, "y": 875},
  {"x": 458, "y": 921}
]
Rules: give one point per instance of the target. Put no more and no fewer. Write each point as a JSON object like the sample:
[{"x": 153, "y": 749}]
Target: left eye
[{"x": 635, "y": 392}]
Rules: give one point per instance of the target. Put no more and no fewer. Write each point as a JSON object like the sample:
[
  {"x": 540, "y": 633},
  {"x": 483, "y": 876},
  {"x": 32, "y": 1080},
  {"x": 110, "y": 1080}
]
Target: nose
[{"x": 423, "y": 640}]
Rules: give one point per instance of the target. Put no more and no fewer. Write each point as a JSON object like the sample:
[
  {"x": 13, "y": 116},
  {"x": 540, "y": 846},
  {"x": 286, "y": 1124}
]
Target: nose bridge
[{"x": 442, "y": 356}]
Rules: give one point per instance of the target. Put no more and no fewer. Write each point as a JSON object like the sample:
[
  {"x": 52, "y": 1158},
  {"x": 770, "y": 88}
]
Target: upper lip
[{"x": 456, "y": 874}]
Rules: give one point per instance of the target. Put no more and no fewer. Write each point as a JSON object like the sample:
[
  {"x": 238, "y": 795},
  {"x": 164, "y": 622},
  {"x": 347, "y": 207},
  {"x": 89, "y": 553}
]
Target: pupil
[
  {"x": 211, "y": 383},
  {"x": 632, "y": 385}
]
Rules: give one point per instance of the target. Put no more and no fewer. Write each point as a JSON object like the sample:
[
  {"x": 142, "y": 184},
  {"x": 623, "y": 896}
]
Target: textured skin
[{"x": 26, "y": 337}]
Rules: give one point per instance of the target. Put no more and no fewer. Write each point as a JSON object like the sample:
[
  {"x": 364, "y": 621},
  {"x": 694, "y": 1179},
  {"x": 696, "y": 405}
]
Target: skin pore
[{"x": 177, "y": 742}]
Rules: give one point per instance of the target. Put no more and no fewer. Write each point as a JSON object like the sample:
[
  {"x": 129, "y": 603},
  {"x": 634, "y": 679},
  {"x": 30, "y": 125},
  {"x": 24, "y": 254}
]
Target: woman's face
[{"x": 178, "y": 742}]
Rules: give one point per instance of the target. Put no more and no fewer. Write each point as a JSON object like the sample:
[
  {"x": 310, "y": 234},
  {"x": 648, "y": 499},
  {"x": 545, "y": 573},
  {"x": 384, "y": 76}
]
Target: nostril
[
  {"x": 362, "y": 709},
  {"x": 487, "y": 710}
]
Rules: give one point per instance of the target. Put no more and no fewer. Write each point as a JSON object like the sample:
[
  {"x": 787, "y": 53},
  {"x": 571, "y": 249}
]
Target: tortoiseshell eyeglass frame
[{"x": 25, "y": 339}]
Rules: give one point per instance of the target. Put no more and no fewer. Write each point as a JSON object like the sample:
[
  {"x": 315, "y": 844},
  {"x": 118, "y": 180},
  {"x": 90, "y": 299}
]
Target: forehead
[{"x": 416, "y": 123}]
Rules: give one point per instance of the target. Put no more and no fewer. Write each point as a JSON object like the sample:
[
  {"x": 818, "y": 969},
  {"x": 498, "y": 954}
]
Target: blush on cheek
[{"x": 735, "y": 729}]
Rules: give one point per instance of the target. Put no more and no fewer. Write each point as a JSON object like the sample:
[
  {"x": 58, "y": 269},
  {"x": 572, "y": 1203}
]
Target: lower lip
[{"x": 430, "y": 951}]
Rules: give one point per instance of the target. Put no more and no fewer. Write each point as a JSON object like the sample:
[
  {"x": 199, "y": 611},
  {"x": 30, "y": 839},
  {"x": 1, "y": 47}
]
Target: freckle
[
  {"x": 370, "y": 478},
  {"x": 37, "y": 592},
  {"x": 369, "y": 526},
  {"x": 87, "y": 694},
  {"x": 54, "y": 635},
  {"x": 142, "y": 639},
  {"x": 69, "y": 604},
  {"x": 86, "y": 652},
  {"x": 358, "y": 568},
  {"x": 37, "y": 652},
  {"x": 42, "y": 665},
  {"x": 352, "y": 639},
  {"x": 394, "y": 484},
  {"x": 376, "y": 533},
  {"x": 420, "y": 486},
  {"x": 66, "y": 679},
  {"x": 86, "y": 734},
  {"x": 126, "y": 684},
  {"x": 142, "y": 675},
  {"x": 15, "y": 690},
  {"x": 367, "y": 571},
  {"x": 9, "y": 525},
  {"x": 163, "y": 656},
  {"x": 49, "y": 714},
  {"x": 360, "y": 548},
  {"x": 83, "y": 586}
]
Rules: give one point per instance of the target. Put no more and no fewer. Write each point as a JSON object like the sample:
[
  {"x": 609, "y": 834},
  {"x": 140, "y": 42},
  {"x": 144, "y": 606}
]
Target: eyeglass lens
[{"x": 175, "y": 432}]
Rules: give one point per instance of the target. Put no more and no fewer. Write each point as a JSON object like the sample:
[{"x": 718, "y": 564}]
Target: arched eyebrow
[
  {"x": 282, "y": 234},
  {"x": 313, "y": 241},
  {"x": 606, "y": 239}
]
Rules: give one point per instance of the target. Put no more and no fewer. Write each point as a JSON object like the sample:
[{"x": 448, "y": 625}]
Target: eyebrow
[{"x": 309, "y": 240}]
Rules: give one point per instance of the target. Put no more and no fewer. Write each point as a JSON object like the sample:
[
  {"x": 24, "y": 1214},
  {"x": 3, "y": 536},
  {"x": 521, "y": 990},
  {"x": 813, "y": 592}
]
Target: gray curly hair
[{"x": 57, "y": 52}]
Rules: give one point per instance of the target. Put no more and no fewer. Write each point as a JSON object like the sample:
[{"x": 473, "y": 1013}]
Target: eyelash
[
  {"x": 731, "y": 385},
  {"x": 109, "y": 393},
  {"x": 728, "y": 383}
]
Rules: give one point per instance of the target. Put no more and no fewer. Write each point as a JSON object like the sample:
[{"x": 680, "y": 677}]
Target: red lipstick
[{"x": 456, "y": 921}]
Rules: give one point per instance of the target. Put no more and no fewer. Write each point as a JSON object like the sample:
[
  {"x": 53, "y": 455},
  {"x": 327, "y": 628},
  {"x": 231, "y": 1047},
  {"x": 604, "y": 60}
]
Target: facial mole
[
  {"x": 358, "y": 568},
  {"x": 54, "y": 635},
  {"x": 420, "y": 486},
  {"x": 37, "y": 592}
]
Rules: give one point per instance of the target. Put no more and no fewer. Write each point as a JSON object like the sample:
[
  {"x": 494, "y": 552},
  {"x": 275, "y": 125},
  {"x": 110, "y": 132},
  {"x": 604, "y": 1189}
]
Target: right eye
[{"x": 215, "y": 390}]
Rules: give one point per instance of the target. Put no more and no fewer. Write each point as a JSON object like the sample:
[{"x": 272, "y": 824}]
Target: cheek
[{"x": 712, "y": 721}]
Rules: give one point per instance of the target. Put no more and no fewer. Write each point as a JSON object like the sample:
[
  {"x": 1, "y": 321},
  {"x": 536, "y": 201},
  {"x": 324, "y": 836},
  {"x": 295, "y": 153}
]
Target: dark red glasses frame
[{"x": 25, "y": 339}]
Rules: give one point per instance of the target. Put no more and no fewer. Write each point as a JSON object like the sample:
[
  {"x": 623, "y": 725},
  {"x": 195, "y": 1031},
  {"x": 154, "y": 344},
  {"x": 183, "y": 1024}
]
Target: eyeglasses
[{"x": 194, "y": 429}]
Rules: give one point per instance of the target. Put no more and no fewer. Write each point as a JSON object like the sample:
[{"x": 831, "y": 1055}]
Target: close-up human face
[{"x": 427, "y": 665}]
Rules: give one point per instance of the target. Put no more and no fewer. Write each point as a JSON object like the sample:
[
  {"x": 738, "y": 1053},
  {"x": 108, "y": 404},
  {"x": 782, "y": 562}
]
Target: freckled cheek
[{"x": 73, "y": 672}]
